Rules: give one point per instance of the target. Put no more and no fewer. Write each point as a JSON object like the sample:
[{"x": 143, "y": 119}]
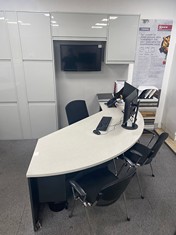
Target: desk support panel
[
  {"x": 44, "y": 190},
  {"x": 35, "y": 205}
]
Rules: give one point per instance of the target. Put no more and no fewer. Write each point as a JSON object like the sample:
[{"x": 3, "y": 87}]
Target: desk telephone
[{"x": 111, "y": 102}]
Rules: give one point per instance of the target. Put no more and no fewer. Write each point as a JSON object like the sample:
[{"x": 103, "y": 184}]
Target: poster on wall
[{"x": 151, "y": 54}]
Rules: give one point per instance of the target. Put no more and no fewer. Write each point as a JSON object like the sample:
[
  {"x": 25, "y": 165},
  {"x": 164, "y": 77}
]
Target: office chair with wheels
[
  {"x": 140, "y": 155},
  {"x": 101, "y": 188},
  {"x": 76, "y": 110}
]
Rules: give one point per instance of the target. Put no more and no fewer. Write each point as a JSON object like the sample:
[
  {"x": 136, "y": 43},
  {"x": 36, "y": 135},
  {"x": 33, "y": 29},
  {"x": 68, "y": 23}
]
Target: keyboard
[{"x": 104, "y": 123}]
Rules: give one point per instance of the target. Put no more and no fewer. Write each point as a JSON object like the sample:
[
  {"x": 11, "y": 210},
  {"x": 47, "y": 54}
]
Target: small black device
[
  {"x": 104, "y": 123},
  {"x": 97, "y": 132},
  {"x": 111, "y": 102}
]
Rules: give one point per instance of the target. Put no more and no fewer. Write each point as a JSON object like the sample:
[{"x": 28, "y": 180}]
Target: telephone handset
[{"x": 111, "y": 102}]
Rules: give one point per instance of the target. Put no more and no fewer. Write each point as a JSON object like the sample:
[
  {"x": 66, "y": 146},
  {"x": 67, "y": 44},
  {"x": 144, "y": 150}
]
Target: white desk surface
[{"x": 76, "y": 147}]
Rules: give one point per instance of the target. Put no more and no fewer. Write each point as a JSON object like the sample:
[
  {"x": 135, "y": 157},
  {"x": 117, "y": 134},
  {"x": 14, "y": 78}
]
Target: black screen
[
  {"x": 81, "y": 57},
  {"x": 127, "y": 90}
]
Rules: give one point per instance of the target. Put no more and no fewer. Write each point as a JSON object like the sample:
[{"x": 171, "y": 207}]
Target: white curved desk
[{"x": 76, "y": 147}]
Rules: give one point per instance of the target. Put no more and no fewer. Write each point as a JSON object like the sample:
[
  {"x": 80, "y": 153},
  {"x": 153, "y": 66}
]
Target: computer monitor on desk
[
  {"x": 122, "y": 94},
  {"x": 129, "y": 94}
]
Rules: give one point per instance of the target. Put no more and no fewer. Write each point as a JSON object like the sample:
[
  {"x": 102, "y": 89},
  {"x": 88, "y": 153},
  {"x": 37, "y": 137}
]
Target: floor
[{"x": 154, "y": 215}]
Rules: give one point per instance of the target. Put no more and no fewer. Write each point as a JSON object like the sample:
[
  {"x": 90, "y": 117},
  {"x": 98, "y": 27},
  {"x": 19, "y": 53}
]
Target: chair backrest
[
  {"x": 158, "y": 144},
  {"x": 76, "y": 110},
  {"x": 111, "y": 192}
]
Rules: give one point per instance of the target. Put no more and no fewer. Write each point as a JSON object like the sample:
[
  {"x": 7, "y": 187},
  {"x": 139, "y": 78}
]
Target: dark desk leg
[{"x": 35, "y": 204}]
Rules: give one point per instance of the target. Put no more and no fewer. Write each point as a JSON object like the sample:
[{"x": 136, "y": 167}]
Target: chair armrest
[
  {"x": 78, "y": 188},
  {"x": 129, "y": 161},
  {"x": 150, "y": 132}
]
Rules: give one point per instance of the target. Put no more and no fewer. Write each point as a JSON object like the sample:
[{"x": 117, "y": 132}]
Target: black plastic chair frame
[
  {"x": 118, "y": 183},
  {"x": 142, "y": 158},
  {"x": 76, "y": 110}
]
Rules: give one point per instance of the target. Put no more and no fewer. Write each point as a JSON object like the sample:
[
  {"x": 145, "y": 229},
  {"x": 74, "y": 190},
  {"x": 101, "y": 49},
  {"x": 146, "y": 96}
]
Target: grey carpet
[{"x": 154, "y": 215}]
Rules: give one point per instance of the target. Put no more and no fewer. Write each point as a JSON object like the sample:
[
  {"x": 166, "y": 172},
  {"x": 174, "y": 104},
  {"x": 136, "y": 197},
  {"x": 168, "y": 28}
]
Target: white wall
[
  {"x": 158, "y": 9},
  {"x": 169, "y": 114},
  {"x": 84, "y": 85}
]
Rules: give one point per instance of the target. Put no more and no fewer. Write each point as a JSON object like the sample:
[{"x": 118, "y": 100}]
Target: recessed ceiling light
[
  {"x": 97, "y": 27},
  {"x": 104, "y": 19},
  {"x": 113, "y": 17},
  {"x": 102, "y": 24}
]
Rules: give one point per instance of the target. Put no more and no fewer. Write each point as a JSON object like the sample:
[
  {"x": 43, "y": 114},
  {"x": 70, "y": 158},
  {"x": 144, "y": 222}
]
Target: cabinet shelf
[{"x": 148, "y": 108}]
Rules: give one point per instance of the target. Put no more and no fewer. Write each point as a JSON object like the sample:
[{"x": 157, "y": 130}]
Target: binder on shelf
[
  {"x": 152, "y": 93},
  {"x": 147, "y": 92}
]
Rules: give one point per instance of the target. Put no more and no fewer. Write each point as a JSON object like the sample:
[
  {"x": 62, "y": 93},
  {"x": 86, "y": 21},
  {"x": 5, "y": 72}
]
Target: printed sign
[{"x": 151, "y": 55}]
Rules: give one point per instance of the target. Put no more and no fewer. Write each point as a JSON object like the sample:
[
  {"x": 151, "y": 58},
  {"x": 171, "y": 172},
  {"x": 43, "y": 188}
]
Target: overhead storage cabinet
[{"x": 121, "y": 38}]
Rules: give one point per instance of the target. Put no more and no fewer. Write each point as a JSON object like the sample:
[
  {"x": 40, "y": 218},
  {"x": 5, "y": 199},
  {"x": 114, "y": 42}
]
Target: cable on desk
[{"x": 114, "y": 125}]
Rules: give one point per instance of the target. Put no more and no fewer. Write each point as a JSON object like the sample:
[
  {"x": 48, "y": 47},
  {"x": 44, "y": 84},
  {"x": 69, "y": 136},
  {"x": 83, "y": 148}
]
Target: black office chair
[
  {"x": 76, "y": 110},
  {"x": 140, "y": 155},
  {"x": 101, "y": 188}
]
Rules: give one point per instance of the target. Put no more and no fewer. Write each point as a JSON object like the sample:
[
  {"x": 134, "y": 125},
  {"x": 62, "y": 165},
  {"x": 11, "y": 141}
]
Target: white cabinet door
[
  {"x": 4, "y": 39},
  {"x": 122, "y": 38},
  {"x": 7, "y": 82},
  {"x": 35, "y": 35},
  {"x": 79, "y": 25},
  {"x": 10, "y": 127},
  {"x": 43, "y": 119},
  {"x": 39, "y": 79}
]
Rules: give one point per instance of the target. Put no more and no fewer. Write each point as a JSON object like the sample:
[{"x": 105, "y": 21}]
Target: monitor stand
[{"x": 133, "y": 127}]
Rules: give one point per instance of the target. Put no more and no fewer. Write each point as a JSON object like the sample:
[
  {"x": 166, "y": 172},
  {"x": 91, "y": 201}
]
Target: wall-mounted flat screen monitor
[{"x": 81, "y": 57}]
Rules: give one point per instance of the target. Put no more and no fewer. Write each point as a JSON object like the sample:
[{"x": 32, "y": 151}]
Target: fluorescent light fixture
[
  {"x": 104, "y": 19},
  {"x": 26, "y": 24},
  {"x": 2, "y": 18},
  {"x": 47, "y": 14},
  {"x": 53, "y": 21},
  {"x": 21, "y": 22},
  {"x": 52, "y": 17},
  {"x": 97, "y": 27},
  {"x": 12, "y": 22},
  {"x": 54, "y": 25},
  {"x": 101, "y": 24},
  {"x": 113, "y": 17}
]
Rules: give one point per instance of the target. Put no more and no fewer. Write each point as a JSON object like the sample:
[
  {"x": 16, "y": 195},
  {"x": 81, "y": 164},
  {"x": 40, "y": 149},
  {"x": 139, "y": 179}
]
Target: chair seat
[
  {"x": 138, "y": 154},
  {"x": 93, "y": 183},
  {"x": 101, "y": 188},
  {"x": 97, "y": 182}
]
